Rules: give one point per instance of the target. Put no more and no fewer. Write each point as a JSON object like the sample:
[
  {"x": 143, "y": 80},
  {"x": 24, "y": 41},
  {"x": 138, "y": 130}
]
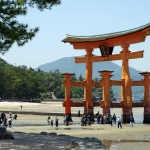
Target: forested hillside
[{"x": 20, "y": 82}]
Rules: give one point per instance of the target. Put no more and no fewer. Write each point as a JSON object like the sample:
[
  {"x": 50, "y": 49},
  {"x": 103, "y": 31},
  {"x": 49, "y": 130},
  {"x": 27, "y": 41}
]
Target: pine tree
[{"x": 11, "y": 30}]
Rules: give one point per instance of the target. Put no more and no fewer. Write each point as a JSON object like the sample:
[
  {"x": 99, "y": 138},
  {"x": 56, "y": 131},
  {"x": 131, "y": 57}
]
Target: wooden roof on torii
[{"x": 132, "y": 36}]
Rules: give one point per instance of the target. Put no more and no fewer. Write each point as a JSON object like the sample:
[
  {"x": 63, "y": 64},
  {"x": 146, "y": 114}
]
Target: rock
[
  {"x": 53, "y": 133},
  {"x": 43, "y": 133},
  {"x": 4, "y": 134},
  {"x": 2, "y": 129}
]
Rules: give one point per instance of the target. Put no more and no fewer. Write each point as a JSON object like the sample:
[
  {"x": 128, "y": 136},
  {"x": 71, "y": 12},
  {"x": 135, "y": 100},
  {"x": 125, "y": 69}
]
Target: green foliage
[
  {"x": 22, "y": 82},
  {"x": 80, "y": 78},
  {"x": 11, "y": 30}
]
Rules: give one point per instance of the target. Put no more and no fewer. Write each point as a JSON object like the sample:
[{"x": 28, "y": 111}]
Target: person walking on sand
[
  {"x": 48, "y": 119},
  {"x": 119, "y": 122},
  {"x": 51, "y": 122},
  {"x": 10, "y": 121},
  {"x": 79, "y": 113},
  {"x": 110, "y": 120},
  {"x": 131, "y": 121},
  {"x": 56, "y": 121},
  {"x": 21, "y": 107},
  {"x": 114, "y": 118}
]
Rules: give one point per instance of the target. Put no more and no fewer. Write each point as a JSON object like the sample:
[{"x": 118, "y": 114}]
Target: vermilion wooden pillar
[
  {"x": 105, "y": 103},
  {"x": 88, "y": 102},
  {"x": 146, "y": 97},
  {"x": 126, "y": 94},
  {"x": 67, "y": 94}
]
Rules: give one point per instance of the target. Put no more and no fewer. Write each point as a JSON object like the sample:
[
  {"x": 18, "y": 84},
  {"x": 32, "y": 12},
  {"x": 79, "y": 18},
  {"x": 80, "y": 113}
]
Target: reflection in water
[
  {"x": 79, "y": 128},
  {"x": 112, "y": 145}
]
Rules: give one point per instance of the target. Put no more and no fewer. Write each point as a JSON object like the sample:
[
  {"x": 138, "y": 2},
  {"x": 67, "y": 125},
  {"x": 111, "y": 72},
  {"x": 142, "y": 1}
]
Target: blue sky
[{"x": 84, "y": 17}]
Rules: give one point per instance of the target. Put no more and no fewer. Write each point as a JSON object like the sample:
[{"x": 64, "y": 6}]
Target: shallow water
[{"x": 126, "y": 144}]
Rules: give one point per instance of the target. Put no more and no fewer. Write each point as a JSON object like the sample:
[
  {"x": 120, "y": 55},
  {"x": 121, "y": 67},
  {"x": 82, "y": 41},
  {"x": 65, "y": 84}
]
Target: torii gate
[{"x": 106, "y": 43}]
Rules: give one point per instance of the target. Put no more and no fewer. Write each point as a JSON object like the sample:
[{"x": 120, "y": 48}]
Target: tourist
[
  {"x": 131, "y": 121},
  {"x": 79, "y": 113},
  {"x": 114, "y": 118},
  {"x": 21, "y": 106},
  {"x": 119, "y": 122},
  {"x": 5, "y": 122},
  {"x": 48, "y": 119},
  {"x": 10, "y": 121},
  {"x": 56, "y": 121},
  {"x": 64, "y": 120},
  {"x": 2, "y": 116},
  {"x": 83, "y": 120},
  {"x": 51, "y": 122},
  {"x": 97, "y": 114},
  {"x": 0, "y": 120},
  {"x": 110, "y": 120},
  {"x": 98, "y": 118},
  {"x": 102, "y": 119},
  {"x": 15, "y": 117},
  {"x": 89, "y": 119},
  {"x": 67, "y": 120},
  {"x": 107, "y": 119}
]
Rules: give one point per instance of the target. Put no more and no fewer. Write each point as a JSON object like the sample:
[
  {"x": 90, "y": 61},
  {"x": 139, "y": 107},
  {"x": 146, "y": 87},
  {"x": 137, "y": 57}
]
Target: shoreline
[{"x": 129, "y": 137}]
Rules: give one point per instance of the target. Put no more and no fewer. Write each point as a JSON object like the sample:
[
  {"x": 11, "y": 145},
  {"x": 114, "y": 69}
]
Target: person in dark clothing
[
  {"x": 102, "y": 119},
  {"x": 89, "y": 119},
  {"x": 131, "y": 121},
  {"x": 56, "y": 121},
  {"x": 21, "y": 106},
  {"x": 79, "y": 113},
  {"x": 98, "y": 119},
  {"x": 48, "y": 119},
  {"x": 114, "y": 118},
  {"x": 97, "y": 113},
  {"x": 110, "y": 120},
  {"x": 2, "y": 116},
  {"x": 15, "y": 117},
  {"x": 67, "y": 120},
  {"x": 5, "y": 122},
  {"x": 0, "y": 120}
]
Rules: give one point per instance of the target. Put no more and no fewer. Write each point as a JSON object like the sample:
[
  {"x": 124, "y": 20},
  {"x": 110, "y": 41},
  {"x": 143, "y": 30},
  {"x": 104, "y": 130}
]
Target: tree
[
  {"x": 80, "y": 78},
  {"x": 11, "y": 31},
  {"x": 74, "y": 78}
]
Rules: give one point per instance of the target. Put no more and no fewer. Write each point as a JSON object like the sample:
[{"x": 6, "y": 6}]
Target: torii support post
[
  {"x": 67, "y": 101},
  {"x": 126, "y": 94},
  {"x": 146, "y": 97},
  {"x": 88, "y": 102},
  {"x": 105, "y": 103}
]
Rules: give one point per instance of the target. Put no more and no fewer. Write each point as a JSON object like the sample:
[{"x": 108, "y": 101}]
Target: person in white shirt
[
  {"x": 119, "y": 122},
  {"x": 51, "y": 122},
  {"x": 10, "y": 121}
]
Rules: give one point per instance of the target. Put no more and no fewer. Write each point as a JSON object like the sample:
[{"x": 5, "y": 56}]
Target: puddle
[
  {"x": 78, "y": 128},
  {"x": 113, "y": 145}
]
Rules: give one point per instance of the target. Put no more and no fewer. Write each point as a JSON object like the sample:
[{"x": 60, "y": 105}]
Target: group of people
[
  {"x": 50, "y": 121},
  {"x": 104, "y": 119},
  {"x": 3, "y": 119},
  {"x": 86, "y": 120}
]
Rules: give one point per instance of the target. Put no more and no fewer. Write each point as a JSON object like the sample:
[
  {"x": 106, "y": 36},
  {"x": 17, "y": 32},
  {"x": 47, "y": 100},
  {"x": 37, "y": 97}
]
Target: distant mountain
[{"x": 67, "y": 65}]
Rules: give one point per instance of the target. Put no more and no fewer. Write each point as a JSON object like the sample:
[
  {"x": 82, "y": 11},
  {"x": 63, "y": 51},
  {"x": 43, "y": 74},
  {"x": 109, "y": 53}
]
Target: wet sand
[{"x": 126, "y": 138}]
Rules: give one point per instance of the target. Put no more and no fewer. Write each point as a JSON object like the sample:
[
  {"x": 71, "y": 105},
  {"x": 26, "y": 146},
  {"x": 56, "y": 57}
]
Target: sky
[{"x": 80, "y": 17}]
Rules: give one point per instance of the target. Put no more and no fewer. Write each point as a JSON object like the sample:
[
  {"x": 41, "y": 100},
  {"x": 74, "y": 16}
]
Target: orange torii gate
[{"x": 106, "y": 43}]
